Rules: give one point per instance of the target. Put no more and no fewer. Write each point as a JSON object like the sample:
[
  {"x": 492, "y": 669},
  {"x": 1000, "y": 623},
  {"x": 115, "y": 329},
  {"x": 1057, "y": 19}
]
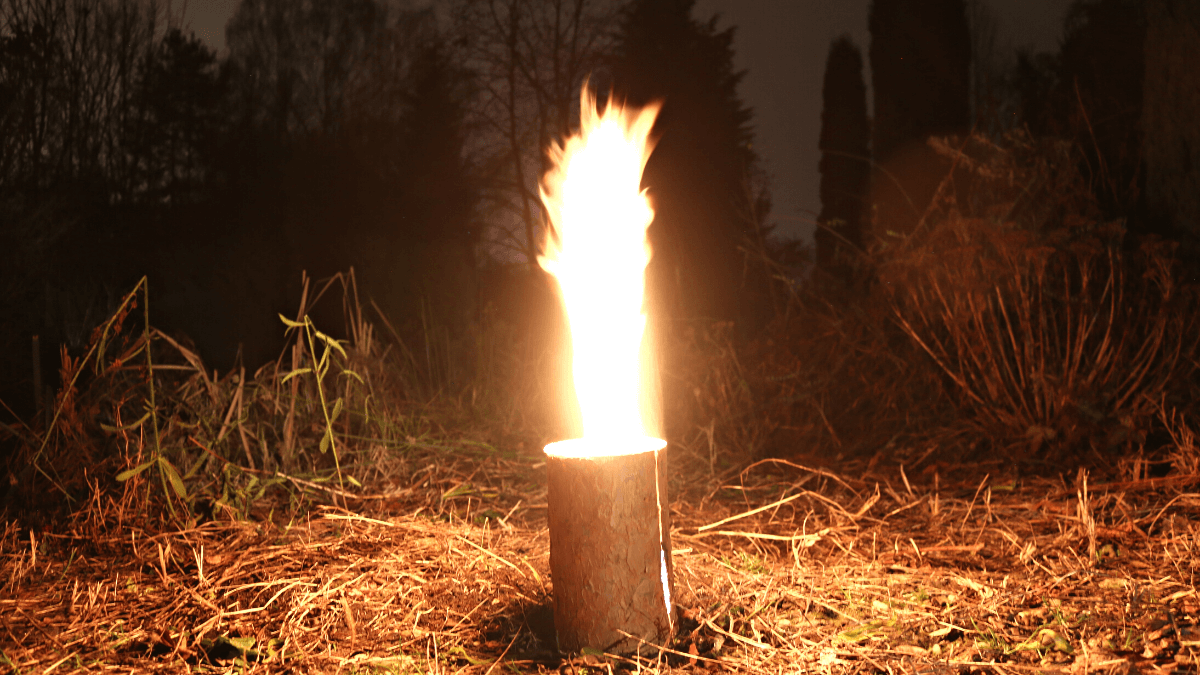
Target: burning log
[{"x": 610, "y": 549}]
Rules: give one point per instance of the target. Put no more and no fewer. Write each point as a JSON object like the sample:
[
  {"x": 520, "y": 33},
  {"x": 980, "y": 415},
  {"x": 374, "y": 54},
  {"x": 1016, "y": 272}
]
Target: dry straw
[{"x": 431, "y": 577}]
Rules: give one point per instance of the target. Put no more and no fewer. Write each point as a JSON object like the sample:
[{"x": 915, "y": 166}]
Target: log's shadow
[
  {"x": 538, "y": 620},
  {"x": 524, "y": 631},
  {"x": 527, "y": 624}
]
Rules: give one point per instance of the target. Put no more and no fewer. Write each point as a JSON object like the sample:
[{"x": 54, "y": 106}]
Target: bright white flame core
[
  {"x": 597, "y": 250},
  {"x": 584, "y": 448}
]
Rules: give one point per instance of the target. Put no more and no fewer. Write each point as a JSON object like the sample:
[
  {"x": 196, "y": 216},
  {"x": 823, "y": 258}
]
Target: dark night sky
[{"x": 782, "y": 46}]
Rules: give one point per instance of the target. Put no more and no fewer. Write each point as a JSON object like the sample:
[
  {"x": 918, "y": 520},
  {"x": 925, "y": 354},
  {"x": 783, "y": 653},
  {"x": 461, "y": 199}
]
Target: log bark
[{"x": 610, "y": 551}]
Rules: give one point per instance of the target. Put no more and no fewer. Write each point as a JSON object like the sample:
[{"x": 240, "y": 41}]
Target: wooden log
[{"x": 610, "y": 546}]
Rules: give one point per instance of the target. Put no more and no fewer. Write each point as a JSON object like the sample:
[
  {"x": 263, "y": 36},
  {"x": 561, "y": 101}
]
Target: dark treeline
[
  {"x": 337, "y": 133},
  {"x": 331, "y": 135}
]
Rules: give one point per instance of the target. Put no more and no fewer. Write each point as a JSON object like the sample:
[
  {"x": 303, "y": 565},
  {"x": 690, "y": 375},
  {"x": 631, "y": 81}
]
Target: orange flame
[{"x": 597, "y": 250}]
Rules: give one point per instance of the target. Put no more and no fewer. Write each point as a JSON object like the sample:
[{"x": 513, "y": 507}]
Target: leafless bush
[{"x": 1048, "y": 324}]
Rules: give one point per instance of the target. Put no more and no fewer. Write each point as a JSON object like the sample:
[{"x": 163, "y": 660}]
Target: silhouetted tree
[
  {"x": 71, "y": 71},
  {"x": 1103, "y": 66},
  {"x": 1090, "y": 92},
  {"x": 845, "y": 156},
  {"x": 435, "y": 126},
  {"x": 1034, "y": 80},
  {"x": 920, "y": 74},
  {"x": 920, "y": 71},
  {"x": 993, "y": 107},
  {"x": 530, "y": 58},
  {"x": 296, "y": 60},
  {"x": 699, "y": 175},
  {"x": 427, "y": 192},
  {"x": 1170, "y": 112},
  {"x": 352, "y": 117},
  {"x": 181, "y": 106}
]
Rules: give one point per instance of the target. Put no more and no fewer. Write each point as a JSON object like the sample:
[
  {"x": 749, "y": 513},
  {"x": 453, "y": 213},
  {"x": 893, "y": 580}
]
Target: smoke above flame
[{"x": 596, "y": 248}]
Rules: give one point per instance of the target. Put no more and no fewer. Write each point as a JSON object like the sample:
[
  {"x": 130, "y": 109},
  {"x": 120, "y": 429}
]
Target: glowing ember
[{"x": 597, "y": 250}]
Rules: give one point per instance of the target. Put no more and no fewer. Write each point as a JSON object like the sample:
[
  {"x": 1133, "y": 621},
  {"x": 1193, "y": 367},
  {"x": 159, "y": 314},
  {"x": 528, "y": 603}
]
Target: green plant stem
[
  {"x": 141, "y": 284},
  {"x": 158, "y": 458}
]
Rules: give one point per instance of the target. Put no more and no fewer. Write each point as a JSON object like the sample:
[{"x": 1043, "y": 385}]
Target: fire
[{"x": 597, "y": 250}]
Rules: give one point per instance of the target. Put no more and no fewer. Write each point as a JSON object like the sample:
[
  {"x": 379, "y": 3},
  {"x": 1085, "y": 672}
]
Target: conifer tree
[
  {"x": 920, "y": 74},
  {"x": 1171, "y": 108},
  {"x": 845, "y": 155},
  {"x": 920, "y": 70},
  {"x": 698, "y": 174},
  {"x": 1103, "y": 72}
]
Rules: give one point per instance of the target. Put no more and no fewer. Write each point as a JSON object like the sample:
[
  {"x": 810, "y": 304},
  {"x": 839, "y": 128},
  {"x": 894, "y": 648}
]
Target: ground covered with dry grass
[{"x": 781, "y": 567}]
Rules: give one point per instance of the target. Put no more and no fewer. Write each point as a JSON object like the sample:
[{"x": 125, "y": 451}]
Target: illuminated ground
[{"x": 447, "y": 571}]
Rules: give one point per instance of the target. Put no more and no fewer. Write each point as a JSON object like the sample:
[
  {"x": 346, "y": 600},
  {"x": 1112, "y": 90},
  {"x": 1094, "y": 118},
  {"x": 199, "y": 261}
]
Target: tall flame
[{"x": 597, "y": 250}]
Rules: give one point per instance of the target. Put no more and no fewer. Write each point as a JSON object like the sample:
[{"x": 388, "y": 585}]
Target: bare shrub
[{"x": 1047, "y": 324}]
